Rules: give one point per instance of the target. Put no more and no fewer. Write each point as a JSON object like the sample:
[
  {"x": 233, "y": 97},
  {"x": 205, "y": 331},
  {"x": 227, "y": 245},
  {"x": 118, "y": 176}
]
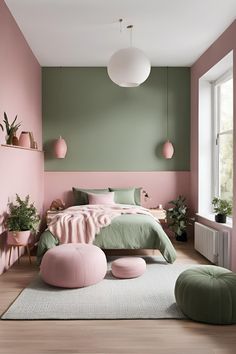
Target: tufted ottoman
[
  {"x": 73, "y": 265},
  {"x": 128, "y": 267},
  {"x": 207, "y": 294}
]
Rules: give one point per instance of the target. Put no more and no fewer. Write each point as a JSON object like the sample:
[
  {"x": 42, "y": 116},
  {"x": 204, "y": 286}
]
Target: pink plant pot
[
  {"x": 24, "y": 140},
  {"x": 167, "y": 150},
  {"x": 18, "y": 237},
  {"x": 60, "y": 148}
]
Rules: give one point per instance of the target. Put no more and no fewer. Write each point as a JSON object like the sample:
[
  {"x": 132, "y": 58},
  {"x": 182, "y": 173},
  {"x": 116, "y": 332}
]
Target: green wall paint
[{"x": 108, "y": 128}]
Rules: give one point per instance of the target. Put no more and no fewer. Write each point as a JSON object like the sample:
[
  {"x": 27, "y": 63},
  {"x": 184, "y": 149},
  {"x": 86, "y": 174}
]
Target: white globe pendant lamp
[
  {"x": 129, "y": 67},
  {"x": 167, "y": 148}
]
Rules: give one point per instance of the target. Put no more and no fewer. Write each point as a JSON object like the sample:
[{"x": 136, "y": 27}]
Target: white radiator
[{"x": 212, "y": 244}]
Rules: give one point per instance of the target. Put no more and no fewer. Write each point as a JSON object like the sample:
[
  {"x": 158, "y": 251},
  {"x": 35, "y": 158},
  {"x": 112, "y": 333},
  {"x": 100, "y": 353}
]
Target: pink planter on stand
[
  {"x": 24, "y": 140},
  {"x": 18, "y": 237},
  {"x": 60, "y": 148}
]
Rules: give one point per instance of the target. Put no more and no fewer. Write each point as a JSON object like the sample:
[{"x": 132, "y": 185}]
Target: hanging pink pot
[
  {"x": 60, "y": 148},
  {"x": 167, "y": 150}
]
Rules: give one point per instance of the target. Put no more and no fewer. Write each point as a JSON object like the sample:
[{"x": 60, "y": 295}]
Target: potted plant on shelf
[
  {"x": 222, "y": 208},
  {"x": 11, "y": 130},
  {"x": 21, "y": 221},
  {"x": 177, "y": 218}
]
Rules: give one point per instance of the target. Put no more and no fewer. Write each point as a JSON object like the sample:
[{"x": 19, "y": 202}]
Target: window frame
[{"x": 228, "y": 75}]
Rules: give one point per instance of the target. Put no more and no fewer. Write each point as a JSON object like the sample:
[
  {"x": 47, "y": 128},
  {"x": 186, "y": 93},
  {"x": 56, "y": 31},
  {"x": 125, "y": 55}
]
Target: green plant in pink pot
[
  {"x": 21, "y": 221},
  {"x": 11, "y": 129}
]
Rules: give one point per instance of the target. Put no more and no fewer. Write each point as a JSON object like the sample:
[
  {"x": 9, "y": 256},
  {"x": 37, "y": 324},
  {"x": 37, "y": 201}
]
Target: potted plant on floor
[
  {"x": 11, "y": 130},
  {"x": 177, "y": 218},
  {"x": 21, "y": 221},
  {"x": 222, "y": 208}
]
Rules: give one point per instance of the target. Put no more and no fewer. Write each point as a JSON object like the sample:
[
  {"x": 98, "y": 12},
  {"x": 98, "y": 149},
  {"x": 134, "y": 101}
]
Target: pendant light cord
[
  {"x": 120, "y": 22},
  {"x": 167, "y": 104},
  {"x": 130, "y": 27}
]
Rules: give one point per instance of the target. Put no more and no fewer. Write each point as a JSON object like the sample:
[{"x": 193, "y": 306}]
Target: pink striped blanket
[{"x": 82, "y": 223}]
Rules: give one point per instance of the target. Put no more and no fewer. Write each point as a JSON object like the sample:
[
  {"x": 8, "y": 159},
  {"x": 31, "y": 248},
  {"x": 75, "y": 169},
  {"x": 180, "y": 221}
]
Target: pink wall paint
[
  {"x": 221, "y": 47},
  {"x": 20, "y": 73},
  {"x": 22, "y": 173},
  {"x": 20, "y": 93},
  {"x": 161, "y": 186}
]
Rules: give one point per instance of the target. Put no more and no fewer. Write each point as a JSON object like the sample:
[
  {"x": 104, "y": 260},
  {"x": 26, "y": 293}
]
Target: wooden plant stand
[{"x": 18, "y": 252}]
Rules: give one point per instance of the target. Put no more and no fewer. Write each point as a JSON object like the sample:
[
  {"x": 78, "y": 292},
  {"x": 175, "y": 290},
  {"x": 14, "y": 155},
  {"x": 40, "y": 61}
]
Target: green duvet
[{"x": 125, "y": 231}]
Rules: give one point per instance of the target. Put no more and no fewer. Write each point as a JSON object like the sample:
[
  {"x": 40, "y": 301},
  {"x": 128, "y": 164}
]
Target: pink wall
[
  {"x": 20, "y": 93},
  {"x": 221, "y": 47},
  {"x": 20, "y": 73},
  {"x": 22, "y": 173},
  {"x": 161, "y": 186}
]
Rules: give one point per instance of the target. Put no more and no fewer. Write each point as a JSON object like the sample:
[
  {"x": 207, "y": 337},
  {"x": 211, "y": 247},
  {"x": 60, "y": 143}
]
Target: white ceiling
[{"x": 86, "y": 32}]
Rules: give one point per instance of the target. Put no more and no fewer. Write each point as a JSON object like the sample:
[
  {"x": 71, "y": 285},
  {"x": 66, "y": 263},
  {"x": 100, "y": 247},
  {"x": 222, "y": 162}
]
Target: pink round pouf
[
  {"x": 73, "y": 265},
  {"x": 128, "y": 267}
]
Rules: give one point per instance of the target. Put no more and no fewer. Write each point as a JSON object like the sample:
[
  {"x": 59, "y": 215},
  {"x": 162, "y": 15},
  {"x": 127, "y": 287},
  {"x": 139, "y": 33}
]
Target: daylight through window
[{"x": 223, "y": 119}]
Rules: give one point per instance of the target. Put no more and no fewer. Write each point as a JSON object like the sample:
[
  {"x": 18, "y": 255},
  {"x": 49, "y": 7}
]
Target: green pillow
[
  {"x": 81, "y": 195},
  {"x": 124, "y": 195},
  {"x": 137, "y": 195}
]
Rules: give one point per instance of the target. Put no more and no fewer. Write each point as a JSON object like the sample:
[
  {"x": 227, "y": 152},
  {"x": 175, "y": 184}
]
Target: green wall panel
[{"x": 109, "y": 128}]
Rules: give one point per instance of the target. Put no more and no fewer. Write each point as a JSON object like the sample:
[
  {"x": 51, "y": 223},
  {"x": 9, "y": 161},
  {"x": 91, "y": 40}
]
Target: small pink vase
[
  {"x": 24, "y": 140},
  {"x": 167, "y": 150},
  {"x": 60, "y": 148}
]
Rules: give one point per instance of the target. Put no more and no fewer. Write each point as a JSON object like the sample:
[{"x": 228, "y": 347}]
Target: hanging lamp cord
[
  {"x": 167, "y": 104},
  {"x": 120, "y": 22},
  {"x": 130, "y": 27}
]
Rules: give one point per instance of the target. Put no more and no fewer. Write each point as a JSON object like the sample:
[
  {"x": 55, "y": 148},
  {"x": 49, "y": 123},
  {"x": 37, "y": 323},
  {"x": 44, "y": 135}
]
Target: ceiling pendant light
[
  {"x": 129, "y": 67},
  {"x": 167, "y": 148},
  {"x": 60, "y": 148}
]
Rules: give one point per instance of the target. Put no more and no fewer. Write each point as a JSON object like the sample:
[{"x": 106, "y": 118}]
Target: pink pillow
[{"x": 107, "y": 198}]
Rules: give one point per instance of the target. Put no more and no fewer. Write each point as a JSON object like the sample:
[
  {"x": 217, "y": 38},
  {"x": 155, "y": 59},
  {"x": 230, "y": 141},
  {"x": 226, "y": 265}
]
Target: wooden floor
[{"x": 110, "y": 336}]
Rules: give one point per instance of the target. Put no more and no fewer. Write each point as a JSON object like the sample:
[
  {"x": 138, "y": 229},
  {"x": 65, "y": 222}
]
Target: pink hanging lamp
[
  {"x": 167, "y": 148},
  {"x": 60, "y": 148}
]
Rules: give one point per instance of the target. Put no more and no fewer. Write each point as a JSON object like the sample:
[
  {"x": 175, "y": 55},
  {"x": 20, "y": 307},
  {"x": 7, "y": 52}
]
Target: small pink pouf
[
  {"x": 73, "y": 265},
  {"x": 128, "y": 267}
]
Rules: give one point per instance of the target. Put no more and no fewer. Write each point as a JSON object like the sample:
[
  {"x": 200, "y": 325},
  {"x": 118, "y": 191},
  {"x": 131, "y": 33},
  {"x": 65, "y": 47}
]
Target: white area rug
[{"x": 149, "y": 296}]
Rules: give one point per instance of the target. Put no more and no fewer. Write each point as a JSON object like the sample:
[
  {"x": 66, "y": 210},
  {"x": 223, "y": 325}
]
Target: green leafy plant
[
  {"x": 22, "y": 216},
  {"x": 11, "y": 129},
  {"x": 177, "y": 216},
  {"x": 222, "y": 206}
]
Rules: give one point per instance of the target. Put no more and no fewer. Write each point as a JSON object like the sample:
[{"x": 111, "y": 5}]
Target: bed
[{"x": 136, "y": 228}]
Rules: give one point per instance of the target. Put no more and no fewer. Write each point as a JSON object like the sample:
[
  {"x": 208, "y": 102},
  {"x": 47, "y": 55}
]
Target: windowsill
[{"x": 211, "y": 217}]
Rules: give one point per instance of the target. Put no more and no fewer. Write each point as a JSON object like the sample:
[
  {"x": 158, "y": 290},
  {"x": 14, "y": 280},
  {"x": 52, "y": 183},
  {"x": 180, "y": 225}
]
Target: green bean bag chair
[{"x": 207, "y": 294}]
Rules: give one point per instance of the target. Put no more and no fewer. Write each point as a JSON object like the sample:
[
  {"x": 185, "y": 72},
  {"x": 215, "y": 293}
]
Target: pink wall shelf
[{"x": 20, "y": 147}]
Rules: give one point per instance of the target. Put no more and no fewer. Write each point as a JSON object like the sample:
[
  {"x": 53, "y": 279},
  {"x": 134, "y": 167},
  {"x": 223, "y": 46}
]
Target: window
[
  {"x": 223, "y": 139},
  {"x": 215, "y": 135}
]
